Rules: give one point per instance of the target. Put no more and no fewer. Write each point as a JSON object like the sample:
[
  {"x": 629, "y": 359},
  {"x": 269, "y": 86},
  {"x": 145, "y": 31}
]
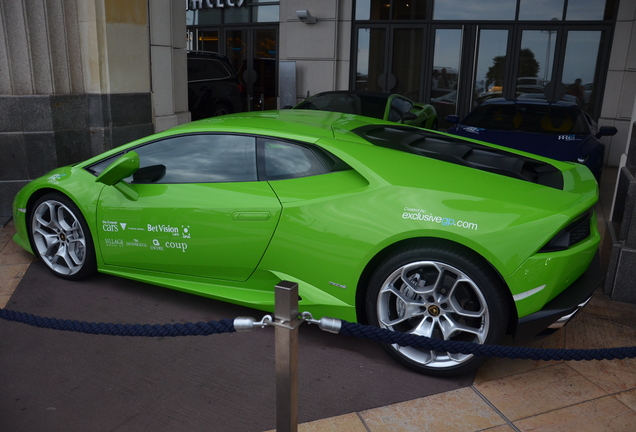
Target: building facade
[{"x": 78, "y": 77}]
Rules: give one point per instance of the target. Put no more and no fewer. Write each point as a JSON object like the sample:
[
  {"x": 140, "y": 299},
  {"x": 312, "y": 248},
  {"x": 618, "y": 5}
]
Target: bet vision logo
[{"x": 184, "y": 231}]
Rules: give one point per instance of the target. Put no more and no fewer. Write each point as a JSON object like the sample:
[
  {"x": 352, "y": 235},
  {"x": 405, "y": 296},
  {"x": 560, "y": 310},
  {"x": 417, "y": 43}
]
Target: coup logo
[{"x": 177, "y": 245}]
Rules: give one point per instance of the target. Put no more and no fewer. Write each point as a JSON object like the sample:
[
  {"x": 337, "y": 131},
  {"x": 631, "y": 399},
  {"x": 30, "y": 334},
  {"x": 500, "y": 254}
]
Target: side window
[
  {"x": 202, "y": 158},
  {"x": 206, "y": 69},
  {"x": 284, "y": 160},
  {"x": 398, "y": 108},
  {"x": 193, "y": 159}
]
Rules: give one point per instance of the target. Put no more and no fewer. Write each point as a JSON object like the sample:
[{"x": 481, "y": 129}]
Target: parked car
[
  {"x": 392, "y": 107},
  {"x": 213, "y": 86},
  {"x": 396, "y": 226},
  {"x": 559, "y": 130}
]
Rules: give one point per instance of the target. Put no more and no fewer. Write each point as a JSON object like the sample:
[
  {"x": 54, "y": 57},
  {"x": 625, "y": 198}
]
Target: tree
[{"x": 528, "y": 67}]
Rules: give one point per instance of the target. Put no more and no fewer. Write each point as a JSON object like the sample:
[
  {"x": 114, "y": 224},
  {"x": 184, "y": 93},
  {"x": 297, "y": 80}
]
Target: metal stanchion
[{"x": 286, "y": 337}]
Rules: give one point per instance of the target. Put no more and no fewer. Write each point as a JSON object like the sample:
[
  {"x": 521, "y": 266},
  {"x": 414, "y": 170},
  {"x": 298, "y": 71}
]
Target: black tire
[
  {"x": 60, "y": 237},
  {"x": 449, "y": 287}
]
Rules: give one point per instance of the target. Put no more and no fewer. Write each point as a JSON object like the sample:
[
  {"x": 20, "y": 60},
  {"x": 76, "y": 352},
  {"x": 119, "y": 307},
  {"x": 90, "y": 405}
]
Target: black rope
[
  {"x": 458, "y": 347},
  {"x": 165, "y": 330},
  {"x": 347, "y": 328}
]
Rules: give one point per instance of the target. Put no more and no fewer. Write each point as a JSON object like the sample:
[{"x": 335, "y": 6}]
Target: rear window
[
  {"x": 348, "y": 103},
  {"x": 460, "y": 152},
  {"x": 206, "y": 69},
  {"x": 548, "y": 119}
]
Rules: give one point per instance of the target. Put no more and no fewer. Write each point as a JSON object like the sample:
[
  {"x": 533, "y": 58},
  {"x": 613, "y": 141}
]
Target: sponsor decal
[
  {"x": 423, "y": 215},
  {"x": 163, "y": 229},
  {"x": 185, "y": 231},
  {"x": 176, "y": 245},
  {"x": 136, "y": 243},
  {"x": 110, "y": 226},
  {"x": 567, "y": 137},
  {"x": 472, "y": 129},
  {"x": 55, "y": 178},
  {"x": 338, "y": 285},
  {"x": 114, "y": 242},
  {"x": 156, "y": 245}
]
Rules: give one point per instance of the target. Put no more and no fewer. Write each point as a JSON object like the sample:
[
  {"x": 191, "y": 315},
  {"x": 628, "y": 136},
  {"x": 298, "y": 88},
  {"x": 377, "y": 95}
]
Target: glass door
[
  {"x": 567, "y": 58},
  {"x": 371, "y": 62},
  {"x": 580, "y": 67},
  {"x": 491, "y": 65},
  {"x": 536, "y": 58},
  {"x": 253, "y": 53},
  {"x": 390, "y": 60},
  {"x": 445, "y": 75}
]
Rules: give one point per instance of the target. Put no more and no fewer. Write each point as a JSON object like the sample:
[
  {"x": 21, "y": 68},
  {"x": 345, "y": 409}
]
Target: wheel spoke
[
  {"x": 456, "y": 306},
  {"x": 407, "y": 301},
  {"x": 54, "y": 210},
  {"x": 450, "y": 328},
  {"x": 425, "y": 328},
  {"x": 420, "y": 286},
  {"x": 408, "y": 308}
]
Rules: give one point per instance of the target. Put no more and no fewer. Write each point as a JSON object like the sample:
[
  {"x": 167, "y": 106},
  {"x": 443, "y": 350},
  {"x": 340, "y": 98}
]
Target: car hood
[{"x": 565, "y": 147}]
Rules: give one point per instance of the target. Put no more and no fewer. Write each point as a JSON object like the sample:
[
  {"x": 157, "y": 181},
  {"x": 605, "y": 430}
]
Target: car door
[{"x": 205, "y": 215}]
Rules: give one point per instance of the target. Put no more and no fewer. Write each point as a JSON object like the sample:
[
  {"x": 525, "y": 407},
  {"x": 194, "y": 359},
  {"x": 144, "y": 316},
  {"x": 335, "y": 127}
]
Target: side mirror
[
  {"x": 123, "y": 167},
  {"x": 606, "y": 131},
  {"x": 453, "y": 119},
  {"x": 114, "y": 173}
]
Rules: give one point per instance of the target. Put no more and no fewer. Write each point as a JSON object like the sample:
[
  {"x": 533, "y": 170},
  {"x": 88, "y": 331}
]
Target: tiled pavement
[{"x": 507, "y": 395}]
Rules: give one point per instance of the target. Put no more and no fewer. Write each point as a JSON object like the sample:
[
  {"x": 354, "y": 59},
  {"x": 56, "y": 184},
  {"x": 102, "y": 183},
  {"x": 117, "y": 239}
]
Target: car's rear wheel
[
  {"x": 60, "y": 237},
  {"x": 439, "y": 291}
]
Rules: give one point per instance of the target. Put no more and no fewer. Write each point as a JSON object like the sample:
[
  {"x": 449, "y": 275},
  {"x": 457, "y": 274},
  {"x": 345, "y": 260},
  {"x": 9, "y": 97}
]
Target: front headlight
[{"x": 582, "y": 160}]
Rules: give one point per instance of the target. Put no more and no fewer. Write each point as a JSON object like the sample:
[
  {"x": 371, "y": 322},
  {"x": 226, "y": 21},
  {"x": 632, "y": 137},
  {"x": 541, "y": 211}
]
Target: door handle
[{"x": 251, "y": 216}]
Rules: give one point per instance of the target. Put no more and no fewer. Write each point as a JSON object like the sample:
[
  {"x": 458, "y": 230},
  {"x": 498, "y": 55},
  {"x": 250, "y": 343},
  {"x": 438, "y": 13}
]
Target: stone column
[
  {"x": 620, "y": 104},
  {"x": 76, "y": 80}
]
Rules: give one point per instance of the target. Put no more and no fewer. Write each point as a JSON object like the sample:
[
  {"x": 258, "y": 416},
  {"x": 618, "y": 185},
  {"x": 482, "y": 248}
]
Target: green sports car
[
  {"x": 395, "y": 226},
  {"x": 384, "y": 106}
]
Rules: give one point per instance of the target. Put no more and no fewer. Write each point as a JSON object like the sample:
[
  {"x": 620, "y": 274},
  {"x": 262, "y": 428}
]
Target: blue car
[{"x": 558, "y": 130}]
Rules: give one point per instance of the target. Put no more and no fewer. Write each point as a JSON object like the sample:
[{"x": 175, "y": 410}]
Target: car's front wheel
[
  {"x": 60, "y": 237},
  {"x": 439, "y": 291}
]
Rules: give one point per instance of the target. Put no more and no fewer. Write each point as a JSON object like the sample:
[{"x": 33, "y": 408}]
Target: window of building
[
  {"x": 541, "y": 10},
  {"x": 483, "y": 10}
]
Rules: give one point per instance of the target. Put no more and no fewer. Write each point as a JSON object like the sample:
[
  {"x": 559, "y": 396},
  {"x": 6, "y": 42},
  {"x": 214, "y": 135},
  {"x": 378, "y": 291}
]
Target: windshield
[
  {"x": 547, "y": 119},
  {"x": 348, "y": 103}
]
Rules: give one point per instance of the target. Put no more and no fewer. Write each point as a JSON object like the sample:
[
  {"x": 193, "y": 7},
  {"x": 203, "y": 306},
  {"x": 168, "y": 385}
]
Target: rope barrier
[
  {"x": 147, "y": 330},
  {"x": 332, "y": 325},
  {"x": 500, "y": 351}
]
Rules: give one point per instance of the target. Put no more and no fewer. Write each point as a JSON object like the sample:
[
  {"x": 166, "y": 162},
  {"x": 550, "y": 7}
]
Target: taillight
[{"x": 572, "y": 234}]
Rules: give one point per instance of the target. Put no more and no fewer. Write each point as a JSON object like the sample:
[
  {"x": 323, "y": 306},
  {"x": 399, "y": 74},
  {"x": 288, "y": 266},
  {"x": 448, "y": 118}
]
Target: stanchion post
[{"x": 286, "y": 342}]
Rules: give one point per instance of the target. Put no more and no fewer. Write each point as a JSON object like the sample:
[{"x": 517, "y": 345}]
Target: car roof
[
  {"x": 529, "y": 101},
  {"x": 303, "y": 123},
  {"x": 207, "y": 54},
  {"x": 355, "y": 92}
]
